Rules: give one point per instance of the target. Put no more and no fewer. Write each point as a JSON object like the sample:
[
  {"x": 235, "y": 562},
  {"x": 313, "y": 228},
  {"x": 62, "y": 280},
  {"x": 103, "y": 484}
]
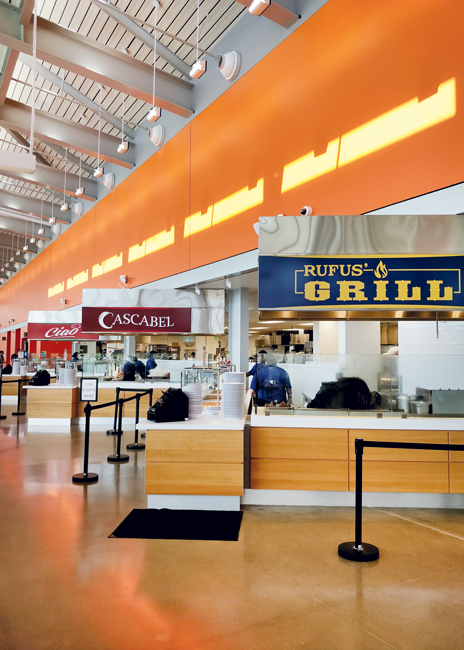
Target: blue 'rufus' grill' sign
[{"x": 361, "y": 282}]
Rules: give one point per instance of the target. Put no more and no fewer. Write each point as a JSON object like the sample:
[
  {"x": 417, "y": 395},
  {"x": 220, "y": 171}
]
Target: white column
[
  {"x": 238, "y": 327},
  {"x": 325, "y": 337},
  {"x": 359, "y": 337},
  {"x": 129, "y": 346}
]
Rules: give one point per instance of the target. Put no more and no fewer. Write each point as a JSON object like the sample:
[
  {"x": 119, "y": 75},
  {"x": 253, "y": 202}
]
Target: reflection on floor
[{"x": 65, "y": 585}]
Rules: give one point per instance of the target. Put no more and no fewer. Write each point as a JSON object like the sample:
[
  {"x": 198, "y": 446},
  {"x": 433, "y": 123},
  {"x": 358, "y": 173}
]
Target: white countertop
[
  {"x": 52, "y": 387},
  {"x": 347, "y": 422},
  {"x": 139, "y": 385},
  {"x": 201, "y": 423}
]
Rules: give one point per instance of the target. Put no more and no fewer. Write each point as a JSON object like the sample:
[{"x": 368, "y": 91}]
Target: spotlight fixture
[
  {"x": 125, "y": 50},
  {"x": 32, "y": 240},
  {"x": 65, "y": 207},
  {"x": 258, "y": 6},
  {"x": 52, "y": 220},
  {"x": 25, "y": 247},
  {"x": 80, "y": 191},
  {"x": 123, "y": 280},
  {"x": 229, "y": 65},
  {"x": 198, "y": 69},
  {"x": 108, "y": 180},
  {"x": 157, "y": 135},
  {"x": 98, "y": 173},
  {"x": 306, "y": 211},
  {"x": 154, "y": 114},
  {"x": 197, "y": 289},
  {"x": 63, "y": 301},
  {"x": 228, "y": 283},
  {"x": 41, "y": 231},
  {"x": 18, "y": 252},
  {"x": 123, "y": 147}
]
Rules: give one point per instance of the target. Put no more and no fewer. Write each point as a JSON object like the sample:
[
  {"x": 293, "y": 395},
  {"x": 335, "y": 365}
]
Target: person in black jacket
[{"x": 345, "y": 393}]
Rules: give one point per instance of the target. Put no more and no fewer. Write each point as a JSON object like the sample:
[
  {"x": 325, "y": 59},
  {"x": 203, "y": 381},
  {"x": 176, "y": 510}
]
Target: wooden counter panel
[
  {"x": 11, "y": 387},
  {"x": 52, "y": 411},
  {"x": 194, "y": 478},
  {"x": 429, "y": 437},
  {"x": 196, "y": 446},
  {"x": 391, "y": 476},
  {"x": 52, "y": 395},
  {"x": 129, "y": 407},
  {"x": 104, "y": 395},
  {"x": 456, "y": 477},
  {"x": 292, "y": 474},
  {"x": 323, "y": 444},
  {"x": 456, "y": 438}
]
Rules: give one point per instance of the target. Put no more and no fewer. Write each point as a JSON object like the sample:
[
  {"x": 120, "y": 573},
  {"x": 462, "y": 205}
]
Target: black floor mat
[{"x": 219, "y": 525}]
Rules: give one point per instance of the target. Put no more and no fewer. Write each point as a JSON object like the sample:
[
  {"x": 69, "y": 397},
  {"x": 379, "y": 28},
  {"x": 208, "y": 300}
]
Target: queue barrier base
[
  {"x": 80, "y": 478},
  {"x": 135, "y": 446},
  {"x": 366, "y": 552},
  {"x": 114, "y": 458}
]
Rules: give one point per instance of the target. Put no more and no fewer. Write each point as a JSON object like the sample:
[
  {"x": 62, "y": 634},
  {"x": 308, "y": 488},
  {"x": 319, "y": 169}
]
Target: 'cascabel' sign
[
  {"x": 136, "y": 319},
  {"x": 361, "y": 282}
]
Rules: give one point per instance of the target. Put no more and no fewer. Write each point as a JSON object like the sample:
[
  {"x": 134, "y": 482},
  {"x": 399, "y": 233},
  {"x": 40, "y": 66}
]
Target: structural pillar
[
  {"x": 238, "y": 305},
  {"x": 129, "y": 346}
]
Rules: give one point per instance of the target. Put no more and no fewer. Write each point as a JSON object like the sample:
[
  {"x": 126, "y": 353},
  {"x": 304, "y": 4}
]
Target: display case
[{"x": 209, "y": 378}]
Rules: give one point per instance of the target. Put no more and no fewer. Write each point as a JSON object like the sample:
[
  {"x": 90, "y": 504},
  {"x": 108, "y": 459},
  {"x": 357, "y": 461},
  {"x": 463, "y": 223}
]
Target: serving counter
[
  {"x": 305, "y": 460},
  {"x": 309, "y": 460},
  {"x": 51, "y": 406},
  {"x": 196, "y": 464}
]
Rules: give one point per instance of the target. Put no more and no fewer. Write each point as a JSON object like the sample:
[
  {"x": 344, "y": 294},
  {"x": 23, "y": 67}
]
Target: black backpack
[
  {"x": 172, "y": 406},
  {"x": 8, "y": 369},
  {"x": 41, "y": 378}
]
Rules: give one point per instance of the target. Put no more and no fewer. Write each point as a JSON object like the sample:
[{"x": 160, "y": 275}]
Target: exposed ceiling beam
[
  {"x": 49, "y": 128},
  {"x": 66, "y": 49},
  {"x": 5, "y": 78},
  {"x": 20, "y": 225},
  {"x": 33, "y": 207},
  {"x": 138, "y": 31},
  {"x": 276, "y": 12},
  {"x": 71, "y": 157},
  {"x": 80, "y": 97},
  {"x": 53, "y": 179},
  {"x": 27, "y": 11},
  {"x": 9, "y": 21}
]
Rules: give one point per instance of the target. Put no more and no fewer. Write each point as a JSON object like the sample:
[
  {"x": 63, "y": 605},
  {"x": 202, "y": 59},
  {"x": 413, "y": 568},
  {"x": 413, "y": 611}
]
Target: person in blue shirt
[
  {"x": 271, "y": 384},
  {"x": 140, "y": 369},
  {"x": 151, "y": 363},
  {"x": 129, "y": 371},
  {"x": 260, "y": 359}
]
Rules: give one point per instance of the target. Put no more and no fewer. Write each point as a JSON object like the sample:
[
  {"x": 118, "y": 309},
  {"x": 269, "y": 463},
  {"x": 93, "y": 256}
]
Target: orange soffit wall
[{"x": 395, "y": 125}]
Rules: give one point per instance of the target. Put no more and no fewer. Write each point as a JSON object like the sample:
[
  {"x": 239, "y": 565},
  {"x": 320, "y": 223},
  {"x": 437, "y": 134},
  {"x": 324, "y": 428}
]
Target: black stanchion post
[
  {"x": 118, "y": 457},
  {"x": 150, "y": 404},
  {"x": 18, "y": 412},
  {"x": 2, "y": 417},
  {"x": 113, "y": 431},
  {"x": 86, "y": 476},
  {"x": 136, "y": 445},
  {"x": 357, "y": 551}
]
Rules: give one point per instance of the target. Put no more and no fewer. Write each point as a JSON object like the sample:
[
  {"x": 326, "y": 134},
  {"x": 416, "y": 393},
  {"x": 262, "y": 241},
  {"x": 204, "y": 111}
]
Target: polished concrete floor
[{"x": 65, "y": 585}]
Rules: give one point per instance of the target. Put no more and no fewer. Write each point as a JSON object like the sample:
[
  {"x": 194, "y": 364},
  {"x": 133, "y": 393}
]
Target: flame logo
[{"x": 381, "y": 270}]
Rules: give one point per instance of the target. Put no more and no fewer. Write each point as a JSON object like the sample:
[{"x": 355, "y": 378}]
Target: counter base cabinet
[
  {"x": 51, "y": 403},
  {"x": 324, "y": 460},
  {"x": 194, "y": 462},
  {"x": 299, "y": 474}
]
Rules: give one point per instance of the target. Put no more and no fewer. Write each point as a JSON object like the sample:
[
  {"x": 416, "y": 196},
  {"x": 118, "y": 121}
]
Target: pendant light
[
  {"x": 155, "y": 112},
  {"x": 25, "y": 247},
  {"x": 41, "y": 230},
  {"x": 18, "y": 251},
  {"x": 32, "y": 239},
  {"x": 80, "y": 189},
  {"x": 98, "y": 173},
  {"x": 65, "y": 206},
  {"x": 199, "y": 67},
  {"x": 52, "y": 219},
  {"x": 124, "y": 146}
]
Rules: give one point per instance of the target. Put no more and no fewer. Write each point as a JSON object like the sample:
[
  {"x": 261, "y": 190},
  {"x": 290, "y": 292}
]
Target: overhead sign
[
  {"x": 361, "y": 282},
  {"x": 51, "y": 331},
  {"x": 136, "y": 319}
]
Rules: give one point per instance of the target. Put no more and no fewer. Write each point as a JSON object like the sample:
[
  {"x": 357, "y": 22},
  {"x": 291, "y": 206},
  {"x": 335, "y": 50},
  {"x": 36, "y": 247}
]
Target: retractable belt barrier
[
  {"x": 90, "y": 477},
  {"x": 359, "y": 551},
  {"x": 12, "y": 381}
]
